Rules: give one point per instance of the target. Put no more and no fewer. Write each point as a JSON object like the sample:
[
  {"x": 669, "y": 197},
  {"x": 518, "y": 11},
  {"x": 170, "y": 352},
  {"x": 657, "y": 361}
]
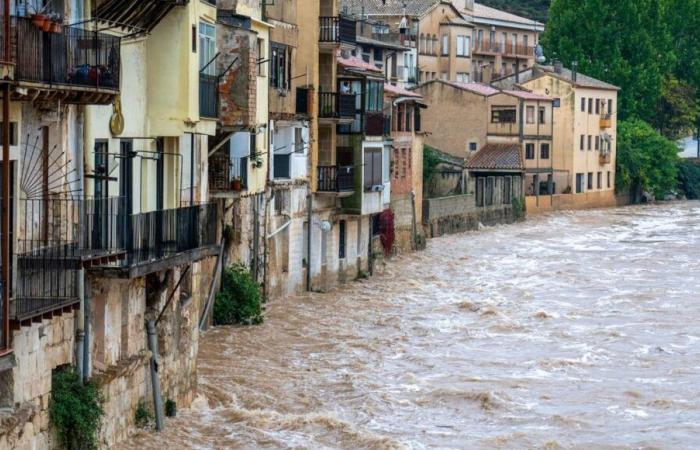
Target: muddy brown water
[{"x": 572, "y": 330}]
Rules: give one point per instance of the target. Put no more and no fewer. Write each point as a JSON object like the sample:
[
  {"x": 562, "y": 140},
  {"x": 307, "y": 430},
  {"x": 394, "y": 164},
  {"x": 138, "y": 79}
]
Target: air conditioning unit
[{"x": 377, "y": 188}]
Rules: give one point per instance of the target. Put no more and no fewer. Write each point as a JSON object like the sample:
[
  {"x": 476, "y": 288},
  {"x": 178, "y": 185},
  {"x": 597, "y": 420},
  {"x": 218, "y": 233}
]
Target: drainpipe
[
  {"x": 155, "y": 381},
  {"x": 5, "y": 245},
  {"x": 80, "y": 355},
  {"x": 309, "y": 217}
]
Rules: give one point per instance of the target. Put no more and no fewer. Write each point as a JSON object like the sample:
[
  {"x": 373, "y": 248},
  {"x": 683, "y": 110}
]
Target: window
[
  {"x": 280, "y": 66},
  {"x": 373, "y": 168},
  {"x": 374, "y": 97},
  {"x": 590, "y": 181},
  {"x": 544, "y": 151},
  {"x": 260, "y": 46},
  {"x": 583, "y": 142},
  {"x": 590, "y": 106},
  {"x": 579, "y": 183},
  {"x": 299, "y": 145},
  {"x": 479, "y": 192},
  {"x": 492, "y": 38},
  {"x": 530, "y": 114},
  {"x": 507, "y": 190},
  {"x": 597, "y": 142},
  {"x": 490, "y": 182},
  {"x": 207, "y": 48},
  {"x": 445, "y": 45},
  {"x": 597, "y": 106},
  {"x": 503, "y": 114},
  {"x": 609, "y": 180},
  {"x": 480, "y": 37},
  {"x": 341, "y": 239},
  {"x": 473, "y": 146},
  {"x": 610, "y": 106},
  {"x": 600, "y": 180},
  {"x": 543, "y": 116},
  {"x": 13, "y": 134},
  {"x": 463, "y": 45},
  {"x": 590, "y": 142},
  {"x": 583, "y": 104},
  {"x": 525, "y": 41},
  {"x": 444, "y": 76},
  {"x": 462, "y": 77},
  {"x": 529, "y": 151}
]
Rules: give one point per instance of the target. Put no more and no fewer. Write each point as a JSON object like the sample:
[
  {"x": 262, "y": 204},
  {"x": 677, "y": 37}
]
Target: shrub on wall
[
  {"x": 240, "y": 298},
  {"x": 75, "y": 410},
  {"x": 518, "y": 208}
]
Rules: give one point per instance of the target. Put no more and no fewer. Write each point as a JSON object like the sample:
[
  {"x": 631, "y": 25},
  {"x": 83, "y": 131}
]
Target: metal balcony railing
[
  {"x": 227, "y": 174},
  {"x": 71, "y": 57},
  {"x": 336, "y": 178},
  {"x": 333, "y": 105},
  {"x": 337, "y": 29},
  {"x": 208, "y": 96},
  {"x": 374, "y": 124}
]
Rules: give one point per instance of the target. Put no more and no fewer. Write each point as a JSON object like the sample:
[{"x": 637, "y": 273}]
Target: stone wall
[
  {"x": 25, "y": 381},
  {"x": 589, "y": 200},
  {"x": 449, "y": 215}
]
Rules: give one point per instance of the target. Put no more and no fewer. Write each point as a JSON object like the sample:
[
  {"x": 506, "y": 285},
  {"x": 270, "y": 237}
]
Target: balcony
[
  {"x": 487, "y": 48},
  {"x": 337, "y": 179},
  {"x": 59, "y": 236},
  {"x": 332, "y": 105},
  {"x": 208, "y": 96},
  {"x": 605, "y": 121},
  {"x": 605, "y": 157},
  {"x": 524, "y": 51},
  {"x": 227, "y": 174},
  {"x": 374, "y": 124},
  {"x": 158, "y": 240},
  {"x": 84, "y": 65},
  {"x": 337, "y": 30}
]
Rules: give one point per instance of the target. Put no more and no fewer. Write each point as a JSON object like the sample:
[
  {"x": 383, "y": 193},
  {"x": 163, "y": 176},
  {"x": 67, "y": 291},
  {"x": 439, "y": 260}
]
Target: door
[
  {"x": 126, "y": 200},
  {"x": 99, "y": 207}
]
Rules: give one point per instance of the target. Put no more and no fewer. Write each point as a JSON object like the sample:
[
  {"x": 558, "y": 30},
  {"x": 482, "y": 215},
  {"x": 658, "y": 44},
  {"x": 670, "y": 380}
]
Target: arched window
[
  {"x": 435, "y": 44},
  {"x": 421, "y": 44}
]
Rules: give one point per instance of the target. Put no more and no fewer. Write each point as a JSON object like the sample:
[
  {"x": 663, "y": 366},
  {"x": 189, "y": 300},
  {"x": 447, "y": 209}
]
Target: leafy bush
[
  {"x": 75, "y": 410},
  {"x": 239, "y": 299},
  {"x": 142, "y": 417},
  {"x": 645, "y": 159},
  {"x": 170, "y": 408},
  {"x": 518, "y": 208},
  {"x": 689, "y": 179},
  {"x": 431, "y": 160}
]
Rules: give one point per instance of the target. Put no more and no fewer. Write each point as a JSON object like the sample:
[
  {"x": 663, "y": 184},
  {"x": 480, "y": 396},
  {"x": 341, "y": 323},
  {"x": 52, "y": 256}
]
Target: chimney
[
  {"x": 574, "y": 71},
  {"x": 558, "y": 66}
]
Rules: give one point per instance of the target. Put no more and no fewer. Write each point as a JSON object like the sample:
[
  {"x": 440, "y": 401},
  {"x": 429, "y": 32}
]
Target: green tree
[
  {"x": 677, "y": 110},
  {"x": 646, "y": 160},
  {"x": 623, "y": 42}
]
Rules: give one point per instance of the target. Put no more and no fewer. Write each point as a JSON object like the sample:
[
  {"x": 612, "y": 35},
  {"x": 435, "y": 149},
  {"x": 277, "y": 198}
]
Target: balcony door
[
  {"x": 99, "y": 212},
  {"x": 126, "y": 187}
]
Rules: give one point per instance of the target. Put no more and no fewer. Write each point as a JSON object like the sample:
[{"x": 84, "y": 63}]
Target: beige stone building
[
  {"x": 585, "y": 129},
  {"x": 457, "y": 40}
]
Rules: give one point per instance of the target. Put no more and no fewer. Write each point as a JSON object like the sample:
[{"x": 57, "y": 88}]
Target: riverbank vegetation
[
  {"x": 239, "y": 301},
  {"x": 75, "y": 411},
  {"x": 649, "y": 48}
]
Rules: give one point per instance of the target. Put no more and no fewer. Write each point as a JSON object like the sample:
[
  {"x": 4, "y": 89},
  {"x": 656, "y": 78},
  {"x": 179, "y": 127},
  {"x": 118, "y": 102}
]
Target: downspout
[
  {"x": 80, "y": 331},
  {"x": 309, "y": 217},
  {"x": 6, "y": 190},
  {"x": 82, "y": 285},
  {"x": 153, "y": 347}
]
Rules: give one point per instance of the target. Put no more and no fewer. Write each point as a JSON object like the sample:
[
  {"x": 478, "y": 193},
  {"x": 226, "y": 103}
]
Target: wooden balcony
[
  {"x": 337, "y": 30},
  {"x": 336, "y": 179},
  {"x": 605, "y": 121},
  {"x": 605, "y": 158}
]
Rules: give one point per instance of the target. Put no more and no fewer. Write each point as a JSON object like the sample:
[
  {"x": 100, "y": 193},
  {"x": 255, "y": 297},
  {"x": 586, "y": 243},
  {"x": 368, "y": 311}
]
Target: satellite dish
[{"x": 539, "y": 54}]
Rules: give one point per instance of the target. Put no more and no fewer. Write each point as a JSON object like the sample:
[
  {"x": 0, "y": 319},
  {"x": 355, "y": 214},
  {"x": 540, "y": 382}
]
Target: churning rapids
[{"x": 572, "y": 330}]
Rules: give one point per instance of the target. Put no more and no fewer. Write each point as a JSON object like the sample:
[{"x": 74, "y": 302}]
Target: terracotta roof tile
[
  {"x": 354, "y": 62},
  {"x": 477, "y": 88},
  {"x": 486, "y": 12},
  {"x": 395, "y": 91},
  {"x": 526, "y": 95},
  {"x": 497, "y": 157},
  {"x": 388, "y": 7}
]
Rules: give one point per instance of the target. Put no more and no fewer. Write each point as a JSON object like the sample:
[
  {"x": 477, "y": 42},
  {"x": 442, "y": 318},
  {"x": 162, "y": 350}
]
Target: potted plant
[
  {"x": 55, "y": 26},
  {"x": 39, "y": 16},
  {"x": 236, "y": 184}
]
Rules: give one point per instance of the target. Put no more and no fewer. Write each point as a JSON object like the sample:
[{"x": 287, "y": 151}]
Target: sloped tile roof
[
  {"x": 356, "y": 63},
  {"x": 526, "y": 95},
  {"x": 488, "y": 13},
  {"x": 566, "y": 75},
  {"x": 387, "y": 7},
  {"x": 395, "y": 91},
  {"x": 497, "y": 157},
  {"x": 477, "y": 88}
]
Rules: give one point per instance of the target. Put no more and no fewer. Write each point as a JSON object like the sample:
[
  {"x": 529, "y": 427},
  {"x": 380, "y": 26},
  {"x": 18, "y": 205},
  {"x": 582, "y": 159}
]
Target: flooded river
[{"x": 573, "y": 330}]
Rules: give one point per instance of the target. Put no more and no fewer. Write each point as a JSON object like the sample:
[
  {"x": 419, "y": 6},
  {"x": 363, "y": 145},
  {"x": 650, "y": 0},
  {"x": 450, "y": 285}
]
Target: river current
[{"x": 571, "y": 330}]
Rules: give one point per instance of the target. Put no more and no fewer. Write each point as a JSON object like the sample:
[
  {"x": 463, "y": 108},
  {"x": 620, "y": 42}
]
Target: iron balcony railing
[
  {"x": 374, "y": 124},
  {"x": 208, "y": 96},
  {"x": 336, "y": 178},
  {"x": 337, "y": 29},
  {"x": 71, "y": 57},
  {"x": 226, "y": 173},
  {"x": 57, "y": 236},
  {"x": 155, "y": 235},
  {"x": 333, "y": 105},
  {"x": 282, "y": 166}
]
